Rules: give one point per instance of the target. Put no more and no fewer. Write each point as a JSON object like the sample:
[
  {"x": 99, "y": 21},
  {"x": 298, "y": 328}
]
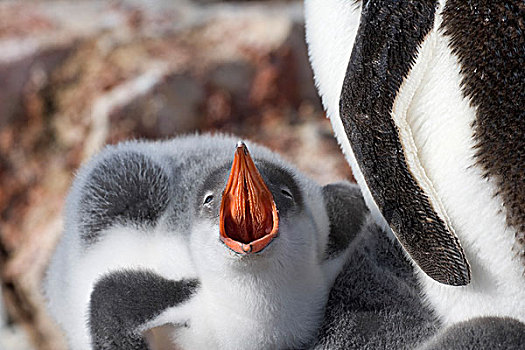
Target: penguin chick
[
  {"x": 221, "y": 255},
  {"x": 480, "y": 333}
]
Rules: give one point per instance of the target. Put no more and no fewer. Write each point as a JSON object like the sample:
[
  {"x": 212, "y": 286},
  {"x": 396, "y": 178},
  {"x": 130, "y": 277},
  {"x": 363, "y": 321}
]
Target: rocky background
[{"x": 75, "y": 75}]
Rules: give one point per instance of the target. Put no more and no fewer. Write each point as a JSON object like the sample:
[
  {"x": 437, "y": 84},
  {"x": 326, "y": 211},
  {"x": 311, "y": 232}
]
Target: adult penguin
[{"x": 427, "y": 100}]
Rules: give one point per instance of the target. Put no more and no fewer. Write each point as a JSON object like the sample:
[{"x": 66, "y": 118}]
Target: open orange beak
[{"x": 248, "y": 216}]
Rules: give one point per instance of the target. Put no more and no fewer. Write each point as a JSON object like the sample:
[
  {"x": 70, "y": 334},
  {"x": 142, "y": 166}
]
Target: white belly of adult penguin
[
  {"x": 427, "y": 100},
  {"x": 221, "y": 255}
]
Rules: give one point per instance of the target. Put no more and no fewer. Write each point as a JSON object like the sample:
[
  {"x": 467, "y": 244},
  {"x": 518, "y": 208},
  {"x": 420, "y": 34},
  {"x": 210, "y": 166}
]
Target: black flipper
[
  {"x": 123, "y": 301},
  {"x": 385, "y": 49}
]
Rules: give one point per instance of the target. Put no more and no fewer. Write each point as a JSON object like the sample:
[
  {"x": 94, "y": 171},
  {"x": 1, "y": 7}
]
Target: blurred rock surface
[{"x": 76, "y": 75}]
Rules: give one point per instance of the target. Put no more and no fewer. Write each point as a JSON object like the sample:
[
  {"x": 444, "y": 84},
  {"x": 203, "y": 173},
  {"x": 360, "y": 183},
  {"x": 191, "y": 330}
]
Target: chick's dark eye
[
  {"x": 208, "y": 199},
  {"x": 287, "y": 193}
]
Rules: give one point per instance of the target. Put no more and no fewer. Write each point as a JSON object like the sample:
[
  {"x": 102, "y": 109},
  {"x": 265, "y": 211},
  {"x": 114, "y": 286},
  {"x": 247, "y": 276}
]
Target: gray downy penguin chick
[
  {"x": 489, "y": 333},
  {"x": 220, "y": 255},
  {"x": 376, "y": 303},
  {"x": 426, "y": 99}
]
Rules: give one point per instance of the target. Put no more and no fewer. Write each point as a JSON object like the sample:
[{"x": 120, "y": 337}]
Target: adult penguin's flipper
[
  {"x": 124, "y": 302},
  {"x": 386, "y": 46}
]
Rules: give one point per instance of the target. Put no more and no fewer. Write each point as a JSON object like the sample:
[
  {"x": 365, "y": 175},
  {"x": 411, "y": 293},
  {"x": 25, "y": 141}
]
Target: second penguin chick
[{"x": 222, "y": 255}]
